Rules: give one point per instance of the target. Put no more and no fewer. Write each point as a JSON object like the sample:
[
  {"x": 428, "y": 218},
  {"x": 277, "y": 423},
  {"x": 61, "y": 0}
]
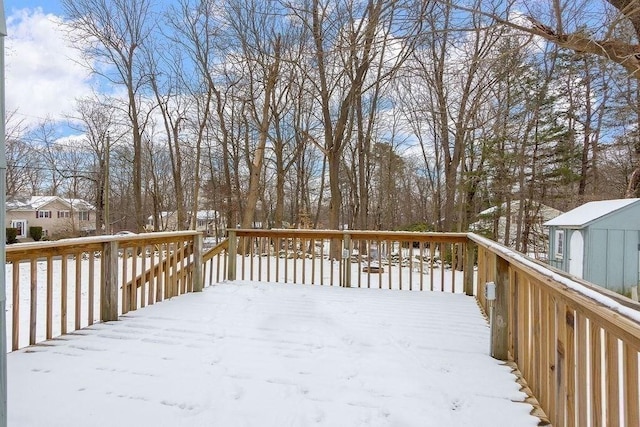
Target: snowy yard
[{"x": 251, "y": 354}]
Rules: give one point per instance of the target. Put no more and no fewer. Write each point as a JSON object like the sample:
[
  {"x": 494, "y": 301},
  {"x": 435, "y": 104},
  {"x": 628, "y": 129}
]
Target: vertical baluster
[
  {"x": 294, "y": 242},
  {"x": 33, "y": 311},
  {"x": 126, "y": 301},
  {"x": 143, "y": 276},
  {"x": 49, "y": 297},
  {"x": 15, "y": 322},
  {"x": 78, "y": 289},
  {"x": 63, "y": 295},
  {"x": 91, "y": 290}
]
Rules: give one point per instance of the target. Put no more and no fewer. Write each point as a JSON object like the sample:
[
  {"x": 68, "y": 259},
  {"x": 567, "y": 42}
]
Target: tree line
[{"x": 367, "y": 114}]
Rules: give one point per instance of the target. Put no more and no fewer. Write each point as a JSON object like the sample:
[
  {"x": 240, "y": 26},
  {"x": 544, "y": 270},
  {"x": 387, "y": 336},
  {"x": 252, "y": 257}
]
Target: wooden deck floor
[{"x": 249, "y": 354}]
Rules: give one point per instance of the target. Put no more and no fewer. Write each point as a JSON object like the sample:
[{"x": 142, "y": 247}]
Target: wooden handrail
[
  {"x": 355, "y": 234},
  {"x": 576, "y": 345},
  {"x": 216, "y": 250},
  {"x": 20, "y": 251}
]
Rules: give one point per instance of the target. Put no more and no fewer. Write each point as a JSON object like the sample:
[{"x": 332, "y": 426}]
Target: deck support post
[
  {"x": 500, "y": 313},
  {"x": 346, "y": 260},
  {"x": 198, "y": 280},
  {"x": 109, "y": 283},
  {"x": 233, "y": 250},
  {"x": 469, "y": 260}
]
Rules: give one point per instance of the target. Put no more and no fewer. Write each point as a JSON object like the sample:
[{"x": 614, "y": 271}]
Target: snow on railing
[{"x": 576, "y": 347}]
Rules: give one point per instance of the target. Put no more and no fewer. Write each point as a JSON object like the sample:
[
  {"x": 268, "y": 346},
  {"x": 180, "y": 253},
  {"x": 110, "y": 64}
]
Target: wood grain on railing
[
  {"x": 53, "y": 284},
  {"x": 211, "y": 261},
  {"x": 577, "y": 349},
  {"x": 398, "y": 260}
]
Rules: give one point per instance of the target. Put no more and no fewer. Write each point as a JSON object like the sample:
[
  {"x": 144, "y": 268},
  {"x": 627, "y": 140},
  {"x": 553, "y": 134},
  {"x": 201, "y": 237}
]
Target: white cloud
[{"x": 43, "y": 77}]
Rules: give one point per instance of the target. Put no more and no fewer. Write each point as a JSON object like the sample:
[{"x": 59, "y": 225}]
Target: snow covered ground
[{"x": 252, "y": 354}]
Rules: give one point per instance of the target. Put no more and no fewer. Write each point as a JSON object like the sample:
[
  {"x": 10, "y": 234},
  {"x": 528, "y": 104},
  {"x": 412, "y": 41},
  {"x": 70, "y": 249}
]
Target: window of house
[
  {"x": 43, "y": 214},
  {"x": 64, "y": 214},
  {"x": 83, "y": 215},
  {"x": 559, "y": 244}
]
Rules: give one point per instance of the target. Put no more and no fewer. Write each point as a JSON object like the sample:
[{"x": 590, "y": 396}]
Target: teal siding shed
[{"x": 599, "y": 242}]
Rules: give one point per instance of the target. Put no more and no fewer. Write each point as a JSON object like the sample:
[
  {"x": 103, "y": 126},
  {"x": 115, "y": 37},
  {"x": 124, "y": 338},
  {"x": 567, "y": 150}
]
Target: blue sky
[
  {"x": 43, "y": 75},
  {"x": 48, "y": 6}
]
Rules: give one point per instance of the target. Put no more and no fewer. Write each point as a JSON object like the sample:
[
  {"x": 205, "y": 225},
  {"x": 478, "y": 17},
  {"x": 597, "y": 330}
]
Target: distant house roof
[
  {"x": 582, "y": 215},
  {"x": 15, "y": 204},
  {"x": 547, "y": 212},
  {"x": 38, "y": 202}
]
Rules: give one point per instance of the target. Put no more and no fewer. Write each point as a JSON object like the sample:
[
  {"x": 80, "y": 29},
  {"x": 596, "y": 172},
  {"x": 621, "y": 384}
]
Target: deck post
[
  {"x": 469, "y": 260},
  {"x": 109, "y": 283},
  {"x": 346, "y": 260},
  {"x": 198, "y": 280},
  {"x": 233, "y": 250},
  {"x": 500, "y": 318}
]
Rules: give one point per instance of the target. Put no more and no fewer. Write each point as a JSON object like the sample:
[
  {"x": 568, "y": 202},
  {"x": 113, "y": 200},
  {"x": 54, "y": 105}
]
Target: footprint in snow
[
  {"x": 180, "y": 405},
  {"x": 237, "y": 393},
  {"x": 456, "y": 404}
]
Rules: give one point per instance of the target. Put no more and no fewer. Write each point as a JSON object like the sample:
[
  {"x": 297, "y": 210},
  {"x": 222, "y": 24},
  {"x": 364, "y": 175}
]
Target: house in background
[
  {"x": 492, "y": 222},
  {"x": 167, "y": 221},
  {"x": 59, "y": 217},
  {"x": 210, "y": 222},
  {"x": 599, "y": 242}
]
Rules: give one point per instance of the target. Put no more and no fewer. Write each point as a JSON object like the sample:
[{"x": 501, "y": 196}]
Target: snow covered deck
[{"x": 255, "y": 354}]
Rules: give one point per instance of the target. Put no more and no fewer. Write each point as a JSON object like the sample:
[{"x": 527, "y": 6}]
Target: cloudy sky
[{"x": 43, "y": 78}]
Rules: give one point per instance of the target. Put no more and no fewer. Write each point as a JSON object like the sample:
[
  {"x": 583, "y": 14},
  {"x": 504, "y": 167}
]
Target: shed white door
[{"x": 576, "y": 254}]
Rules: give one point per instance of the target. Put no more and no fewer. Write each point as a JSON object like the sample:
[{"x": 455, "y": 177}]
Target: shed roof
[{"x": 583, "y": 215}]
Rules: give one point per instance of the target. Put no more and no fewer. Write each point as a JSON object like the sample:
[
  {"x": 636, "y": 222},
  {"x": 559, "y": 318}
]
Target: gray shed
[{"x": 599, "y": 242}]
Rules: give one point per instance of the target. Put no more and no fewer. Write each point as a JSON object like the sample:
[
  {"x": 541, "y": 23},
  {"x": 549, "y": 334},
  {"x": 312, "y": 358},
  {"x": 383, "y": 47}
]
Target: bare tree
[
  {"x": 612, "y": 32},
  {"x": 98, "y": 118},
  {"x": 22, "y": 160},
  {"x": 114, "y": 32},
  {"x": 260, "y": 42}
]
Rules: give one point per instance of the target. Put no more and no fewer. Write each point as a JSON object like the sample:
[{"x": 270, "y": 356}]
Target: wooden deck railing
[
  {"x": 576, "y": 345},
  {"x": 73, "y": 283},
  {"x": 214, "y": 263},
  {"x": 399, "y": 260}
]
